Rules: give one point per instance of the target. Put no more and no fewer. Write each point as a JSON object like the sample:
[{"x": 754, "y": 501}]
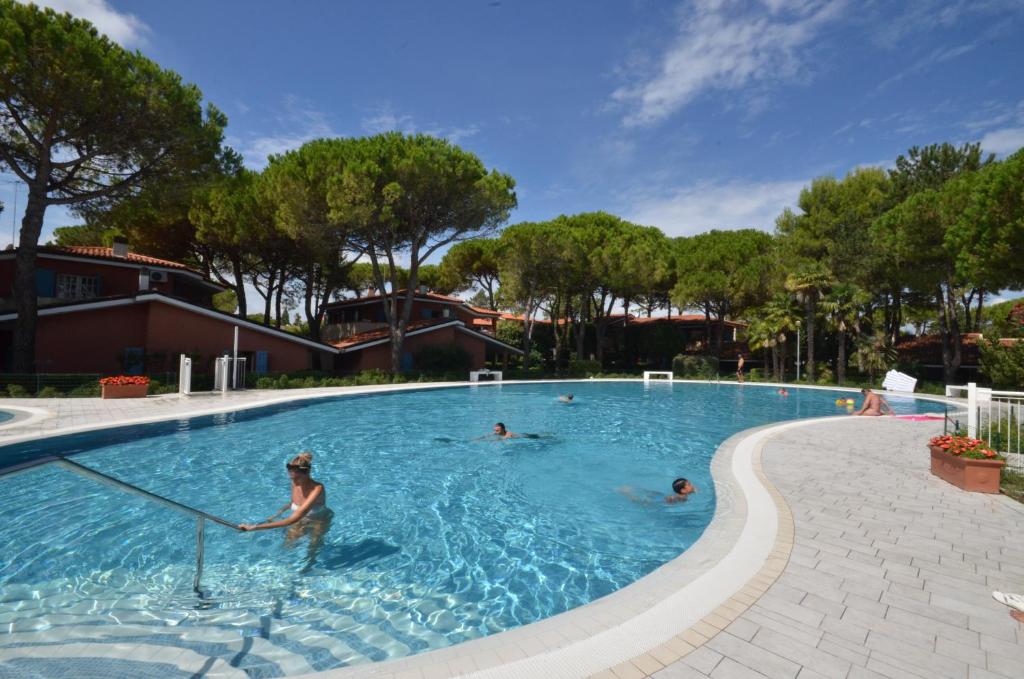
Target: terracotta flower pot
[
  {"x": 978, "y": 476},
  {"x": 124, "y": 390}
]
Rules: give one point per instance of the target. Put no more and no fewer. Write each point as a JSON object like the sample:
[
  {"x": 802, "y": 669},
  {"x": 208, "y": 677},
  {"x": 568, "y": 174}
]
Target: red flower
[{"x": 119, "y": 380}]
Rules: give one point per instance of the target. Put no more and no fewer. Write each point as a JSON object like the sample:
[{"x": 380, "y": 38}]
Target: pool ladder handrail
[{"x": 200, "y": 516}]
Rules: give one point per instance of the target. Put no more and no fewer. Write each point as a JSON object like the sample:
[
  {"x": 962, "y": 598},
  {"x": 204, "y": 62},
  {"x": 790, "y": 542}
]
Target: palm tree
[
  {"x": 843, "y": 307},
  {"x": 761, "y": 336},
  {"x": 808, "y": 282},
  {"x": 781, "y": 316}
]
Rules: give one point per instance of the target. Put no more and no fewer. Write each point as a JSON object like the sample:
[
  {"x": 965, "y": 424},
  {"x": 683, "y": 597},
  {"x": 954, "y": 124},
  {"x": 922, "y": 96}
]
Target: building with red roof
[{"x": 109, "y": 310}]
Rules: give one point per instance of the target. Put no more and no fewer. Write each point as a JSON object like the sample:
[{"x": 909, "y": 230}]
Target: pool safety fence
[{"x": 993, "y": 415}]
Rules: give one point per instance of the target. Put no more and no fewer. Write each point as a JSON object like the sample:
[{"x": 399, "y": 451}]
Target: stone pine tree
[
  {"x": 84, "y": 121},
  {"x": 408, "y": 196}
]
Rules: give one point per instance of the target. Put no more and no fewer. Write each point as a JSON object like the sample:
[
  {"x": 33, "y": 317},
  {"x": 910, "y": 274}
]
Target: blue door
[
  {"x": 261, "y": 362},
  {"x": 406, "y": 361}
]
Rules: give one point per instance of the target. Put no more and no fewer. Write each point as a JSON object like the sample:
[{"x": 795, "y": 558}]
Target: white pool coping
[{"x": 742, "y": 550}]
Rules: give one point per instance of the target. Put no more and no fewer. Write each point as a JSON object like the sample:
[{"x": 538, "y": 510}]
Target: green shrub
[
  {"x": 441, "y": 358},
  {"x": 90, "y": 390},
  {"x": 49, "y": 392},
  {"x": 584, "y": 368},
  {"x": 1003, "y": 365},
  {"x": 756, "y": 375},
  {"x": 702, "y": 367},
  {"x": 825, "y": 374},
  {"x": 17, "y": 391}
]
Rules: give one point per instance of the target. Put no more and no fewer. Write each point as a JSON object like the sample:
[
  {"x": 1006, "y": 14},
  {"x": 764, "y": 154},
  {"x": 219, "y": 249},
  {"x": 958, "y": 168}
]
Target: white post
[
  {"x": 972, "y": 409},
  {"x": 185, "y": 375},
  {"x": 234, "y": 362}
]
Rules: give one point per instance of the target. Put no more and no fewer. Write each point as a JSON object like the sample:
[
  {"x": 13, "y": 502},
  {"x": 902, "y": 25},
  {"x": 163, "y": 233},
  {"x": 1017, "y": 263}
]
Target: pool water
[
  {"x": 5, "y": 415},
  {"x": 438, "y": 536}
]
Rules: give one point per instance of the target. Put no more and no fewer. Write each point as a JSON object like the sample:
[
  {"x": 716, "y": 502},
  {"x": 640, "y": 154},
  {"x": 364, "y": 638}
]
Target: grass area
[{"x": 1012, "y": 484}]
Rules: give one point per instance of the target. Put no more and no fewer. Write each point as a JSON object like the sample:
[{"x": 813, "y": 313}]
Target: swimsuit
[{"x": 316, "y": 511}]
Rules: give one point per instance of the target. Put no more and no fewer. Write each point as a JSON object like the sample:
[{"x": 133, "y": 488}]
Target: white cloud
[
  {"x": 298, "y": 121},
  {"x": 1003, "y": 142},
  {"x": 937, "y": 56},
  {"x": 125, "y": 29},
  {"x": 385, "y": 119},
  {"x": 696, "y": 208},
  {"x": 720, "y": 47}
]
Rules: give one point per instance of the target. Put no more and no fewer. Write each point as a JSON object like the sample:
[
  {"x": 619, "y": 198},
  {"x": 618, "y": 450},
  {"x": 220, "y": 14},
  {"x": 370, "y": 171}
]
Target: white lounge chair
[{"x": 897, "y": 381}]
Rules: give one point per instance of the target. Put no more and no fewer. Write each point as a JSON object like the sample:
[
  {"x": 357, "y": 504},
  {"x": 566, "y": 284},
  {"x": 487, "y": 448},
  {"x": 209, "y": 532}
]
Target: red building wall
[
  {"x": 175, "y": 331},
  {"x": 93, "y": 341},
  {"x": 379, "y": 356},
  {"x": 89, "y": 341}
]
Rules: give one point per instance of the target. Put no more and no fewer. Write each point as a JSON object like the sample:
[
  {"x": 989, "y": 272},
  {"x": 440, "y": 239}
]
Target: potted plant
[
  {"x": 124, "y": 386},
  {"x": 968, "y": 463}
]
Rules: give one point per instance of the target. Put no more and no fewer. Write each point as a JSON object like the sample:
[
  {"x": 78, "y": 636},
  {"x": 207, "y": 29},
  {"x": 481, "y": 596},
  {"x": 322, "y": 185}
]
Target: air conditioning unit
[{"x": 157, "y": 276}]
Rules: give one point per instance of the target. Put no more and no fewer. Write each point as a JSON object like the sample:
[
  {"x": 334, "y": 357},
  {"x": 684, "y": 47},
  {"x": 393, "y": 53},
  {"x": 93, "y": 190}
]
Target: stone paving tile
[{"x": 890, "y": 577}]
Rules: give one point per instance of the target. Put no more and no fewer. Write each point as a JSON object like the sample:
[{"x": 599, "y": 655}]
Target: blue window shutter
[
  {"x": 46, "y": 283},
  {"x": 406, "y": 363},
  {"x": 261, "y": 362},
  {"x": 99, "y": 285},
  {"x": 427, "y": 313}
]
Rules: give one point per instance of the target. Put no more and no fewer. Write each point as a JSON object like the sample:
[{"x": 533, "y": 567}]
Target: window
[{"x": 76, "y": 287}]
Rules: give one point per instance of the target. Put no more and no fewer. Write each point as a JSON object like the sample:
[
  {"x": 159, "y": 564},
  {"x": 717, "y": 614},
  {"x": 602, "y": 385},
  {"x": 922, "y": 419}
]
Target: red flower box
[
  {"x": 966, "y": 463},
  {"x": 124, "y": 386}
]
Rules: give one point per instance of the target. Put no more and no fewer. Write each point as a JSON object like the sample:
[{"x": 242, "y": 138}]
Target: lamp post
[{"x": 798, "y": 351}]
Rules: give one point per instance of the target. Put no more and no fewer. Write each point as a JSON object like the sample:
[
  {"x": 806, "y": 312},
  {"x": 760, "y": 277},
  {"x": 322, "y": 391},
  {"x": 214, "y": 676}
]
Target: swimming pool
[
  {"x": 5, "y": 415},
  {"x": 438, "y": 538}
]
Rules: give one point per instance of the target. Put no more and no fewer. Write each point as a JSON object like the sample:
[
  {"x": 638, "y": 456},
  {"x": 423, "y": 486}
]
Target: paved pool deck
[{"x": 833, "y": 553}]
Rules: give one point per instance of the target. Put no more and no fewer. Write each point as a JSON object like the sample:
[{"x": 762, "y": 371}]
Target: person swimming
[
  {"x": 567, "y": 398},
  {"x": 502, "y": 432},
  {"x": 782, "y": 392},
  {"x": 681, "y": 490}
]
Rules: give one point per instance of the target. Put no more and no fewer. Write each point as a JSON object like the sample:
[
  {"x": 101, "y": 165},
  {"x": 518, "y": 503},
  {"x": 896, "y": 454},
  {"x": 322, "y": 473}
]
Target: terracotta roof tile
[
  {"x": 374, "y": 335},
  {"x": 108, "y": 253}
]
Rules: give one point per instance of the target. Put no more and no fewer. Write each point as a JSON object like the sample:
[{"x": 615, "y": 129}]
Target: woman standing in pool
[{"x": 308, "y": 504}]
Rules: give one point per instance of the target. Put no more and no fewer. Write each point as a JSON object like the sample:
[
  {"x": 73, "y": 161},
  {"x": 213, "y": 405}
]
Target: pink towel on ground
[{"x": 919, "y": 418}]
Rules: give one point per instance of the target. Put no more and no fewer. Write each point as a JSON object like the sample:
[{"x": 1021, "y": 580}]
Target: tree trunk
[
  {"x": 277, "y": 301},
  {"x": 949, "y": 329},
  {"x": 841, "y": 358},
  {"x": 26, "y": 302},
  {"x": 782, "y": 359},
  {"x": 236, "y": 269},
  {"x": 707, "y": 327},
  {"x": 977, "y": 313},
  {"x": 810, "y": 303}
]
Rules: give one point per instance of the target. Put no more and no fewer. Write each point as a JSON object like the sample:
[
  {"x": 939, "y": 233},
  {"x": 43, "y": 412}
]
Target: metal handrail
[
  {"x": 135, "y": 490},
  {"x": 90, "y": 473}
]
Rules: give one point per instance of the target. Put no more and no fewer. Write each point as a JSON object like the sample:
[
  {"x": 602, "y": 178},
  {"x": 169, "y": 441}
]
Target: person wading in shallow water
[{"x": 310, "y": 514}]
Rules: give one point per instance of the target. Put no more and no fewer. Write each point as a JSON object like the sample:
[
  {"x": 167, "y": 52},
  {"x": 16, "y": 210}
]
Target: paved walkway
[{"x": 890, "y": 575}]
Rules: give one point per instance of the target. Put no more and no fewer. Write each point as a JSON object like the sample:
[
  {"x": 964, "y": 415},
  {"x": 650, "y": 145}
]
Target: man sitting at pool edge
[
  {"x": 874, "y": 405},
  {"x": 681, "y": 489}
]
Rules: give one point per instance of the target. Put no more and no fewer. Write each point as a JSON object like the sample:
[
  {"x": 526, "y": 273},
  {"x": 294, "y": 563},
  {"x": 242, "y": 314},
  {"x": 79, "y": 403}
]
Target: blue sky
[{"x": 683, "y": 115}]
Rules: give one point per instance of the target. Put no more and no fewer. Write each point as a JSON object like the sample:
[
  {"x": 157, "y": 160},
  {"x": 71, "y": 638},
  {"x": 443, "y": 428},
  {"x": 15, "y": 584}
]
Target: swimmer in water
[
  {"x": 782, "y": 392},
  {"x": 681, "y": 489},
  {"x": 567, "y": 398},
  {"x": 502, "y": 432}
]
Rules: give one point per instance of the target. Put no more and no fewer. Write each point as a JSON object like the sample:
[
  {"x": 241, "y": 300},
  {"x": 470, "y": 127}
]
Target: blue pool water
[
  {"x": 5, "y": 415},
  {"x": 437, "y": 538}
]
